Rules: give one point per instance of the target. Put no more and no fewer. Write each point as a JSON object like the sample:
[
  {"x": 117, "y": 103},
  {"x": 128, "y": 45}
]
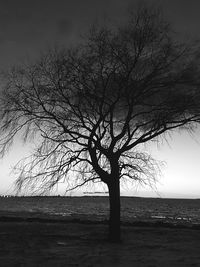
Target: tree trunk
[{"x": 114, "y": 220}]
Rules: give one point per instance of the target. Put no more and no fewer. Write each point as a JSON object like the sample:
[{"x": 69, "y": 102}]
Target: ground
[{"x": 82, "y": 244}]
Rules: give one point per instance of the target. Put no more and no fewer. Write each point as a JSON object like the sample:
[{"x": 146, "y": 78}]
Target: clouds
[
  {"x": 64, "y": 26},
  {"x": 19, "y": 23},
  {"x": 27, "y": 26},
  {"x": 17, "y": 18}
]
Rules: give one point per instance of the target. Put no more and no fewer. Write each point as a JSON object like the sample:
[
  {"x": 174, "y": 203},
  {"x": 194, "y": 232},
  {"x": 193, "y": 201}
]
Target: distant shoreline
[{"x": 95, "y": 196}]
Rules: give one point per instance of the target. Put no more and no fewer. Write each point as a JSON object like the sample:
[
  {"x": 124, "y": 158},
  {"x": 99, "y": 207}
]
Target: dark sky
[{"x": 28, "y": 27}]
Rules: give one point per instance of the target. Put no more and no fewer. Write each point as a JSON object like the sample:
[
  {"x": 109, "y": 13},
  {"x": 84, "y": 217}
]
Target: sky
[{"x": 29, "y": 27}]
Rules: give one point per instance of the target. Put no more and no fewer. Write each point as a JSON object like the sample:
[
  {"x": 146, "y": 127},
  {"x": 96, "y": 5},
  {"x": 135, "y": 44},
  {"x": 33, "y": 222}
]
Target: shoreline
[{"x": 35, "y": 217}]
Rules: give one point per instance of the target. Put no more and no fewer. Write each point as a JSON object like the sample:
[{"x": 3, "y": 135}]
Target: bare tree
[{"x": 91, "y": 107}]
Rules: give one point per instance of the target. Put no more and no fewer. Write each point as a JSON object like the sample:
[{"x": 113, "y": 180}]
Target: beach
[
  {"x": 64, "y": 231},
  {"x": 37, "y": 243}
]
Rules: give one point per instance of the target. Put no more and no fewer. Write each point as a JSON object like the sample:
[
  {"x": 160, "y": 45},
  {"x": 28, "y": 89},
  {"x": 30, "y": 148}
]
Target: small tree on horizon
[{"x": 92, "y": 107}]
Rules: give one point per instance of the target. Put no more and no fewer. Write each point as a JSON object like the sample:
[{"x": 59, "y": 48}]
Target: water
[{"x": 184, "y": 211}]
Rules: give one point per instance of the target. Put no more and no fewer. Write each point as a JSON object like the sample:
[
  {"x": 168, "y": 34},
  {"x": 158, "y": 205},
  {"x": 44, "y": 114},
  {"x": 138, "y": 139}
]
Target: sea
[{"x": 96, "y": 208}]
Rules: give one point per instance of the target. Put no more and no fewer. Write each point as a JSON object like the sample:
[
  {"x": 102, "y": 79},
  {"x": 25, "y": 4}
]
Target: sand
[{"x": 80, "y": 244}]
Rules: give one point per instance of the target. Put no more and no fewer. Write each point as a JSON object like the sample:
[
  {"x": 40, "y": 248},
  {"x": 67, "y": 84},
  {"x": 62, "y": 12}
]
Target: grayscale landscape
[{"x": 100, "y": 133}]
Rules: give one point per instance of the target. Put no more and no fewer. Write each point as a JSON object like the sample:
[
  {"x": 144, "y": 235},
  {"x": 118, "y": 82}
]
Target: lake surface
[{"x": 184, "y": 211}]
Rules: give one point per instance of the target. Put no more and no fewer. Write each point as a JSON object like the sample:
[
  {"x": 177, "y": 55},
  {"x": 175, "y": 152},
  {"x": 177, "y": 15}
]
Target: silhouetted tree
[{"x": 90, "y": 108}]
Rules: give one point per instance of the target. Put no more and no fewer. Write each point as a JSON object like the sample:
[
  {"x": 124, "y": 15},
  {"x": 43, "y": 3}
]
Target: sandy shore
[{"x": 79, "y": 244}]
